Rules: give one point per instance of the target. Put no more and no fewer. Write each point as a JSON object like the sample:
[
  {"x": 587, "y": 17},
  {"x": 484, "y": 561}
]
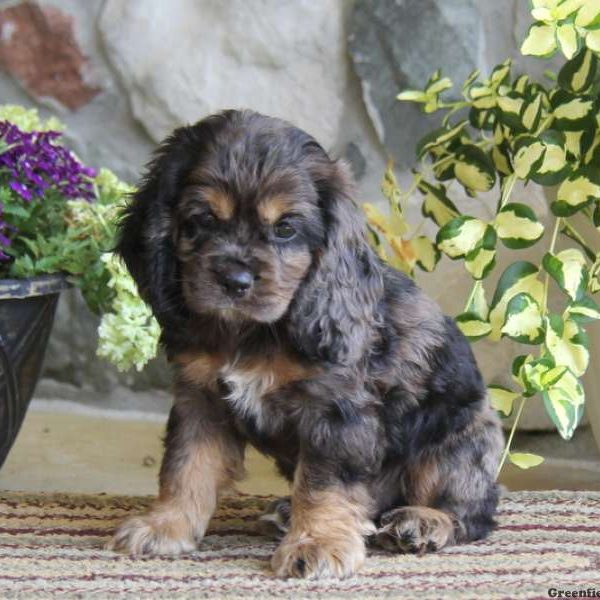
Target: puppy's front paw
[
  {"x": 313, "y": 558},
  {"x": 152, "y": 534}
]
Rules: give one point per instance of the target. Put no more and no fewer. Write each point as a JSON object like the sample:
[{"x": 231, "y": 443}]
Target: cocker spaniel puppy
[{"x": 285, "y": 331}]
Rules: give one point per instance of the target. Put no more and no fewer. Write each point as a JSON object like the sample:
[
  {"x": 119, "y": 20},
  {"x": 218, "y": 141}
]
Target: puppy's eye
[
  {"x": 206, "y": 219},
  {"x": 284, "y": 230},
  {"x": 201, "y": 221}
]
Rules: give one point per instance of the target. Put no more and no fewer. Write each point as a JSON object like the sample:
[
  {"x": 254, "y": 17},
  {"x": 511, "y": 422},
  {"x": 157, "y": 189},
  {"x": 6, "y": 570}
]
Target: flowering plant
[{"x": 59, "y": 216}]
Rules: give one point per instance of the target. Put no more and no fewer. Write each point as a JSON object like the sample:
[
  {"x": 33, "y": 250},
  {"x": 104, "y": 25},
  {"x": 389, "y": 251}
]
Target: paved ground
[{"x": 64, "y": 446}]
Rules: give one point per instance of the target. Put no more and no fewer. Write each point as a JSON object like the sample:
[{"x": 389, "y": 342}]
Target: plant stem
[
  {"x": 544, "y": 124},
  {"x": 547, "y": 277},
  {"x": 510, "y": 437},
  {"x": 419, "y": 227},
  {"x": 508, "y": 188},
  {"x": 471, "y": 296},
  {"x": 544, "y": 310},
  {"x": 570, "y": 231},
  {"x": 414, "y": 185}
]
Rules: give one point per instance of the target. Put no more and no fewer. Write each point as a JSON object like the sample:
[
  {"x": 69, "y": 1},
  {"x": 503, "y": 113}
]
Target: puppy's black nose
[{"x": 236, "y": 279}]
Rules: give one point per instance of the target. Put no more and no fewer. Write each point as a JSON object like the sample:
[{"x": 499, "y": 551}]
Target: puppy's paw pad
[
  {"x": 415, "y": 529},
  {"x": 149, "y": 536},
  {"x": 275, "y": 521},
  {"x": 312, "y": 559}
]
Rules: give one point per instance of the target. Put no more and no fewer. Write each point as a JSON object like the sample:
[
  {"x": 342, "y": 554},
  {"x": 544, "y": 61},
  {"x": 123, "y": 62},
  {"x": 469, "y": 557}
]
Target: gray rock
[
  {"x": 396, "y": 45},
  {"x": 180, "y": 61}
]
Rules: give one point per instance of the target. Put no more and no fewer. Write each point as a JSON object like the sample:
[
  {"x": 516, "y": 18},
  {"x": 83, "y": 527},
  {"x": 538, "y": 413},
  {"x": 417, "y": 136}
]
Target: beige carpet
[{"x": 51, "y": 545}]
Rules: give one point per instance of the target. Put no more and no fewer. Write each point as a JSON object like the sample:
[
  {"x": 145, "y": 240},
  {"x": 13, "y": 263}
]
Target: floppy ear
[
  {"x": 334, "y": 314},
  {"x": 146, "y": 228}
]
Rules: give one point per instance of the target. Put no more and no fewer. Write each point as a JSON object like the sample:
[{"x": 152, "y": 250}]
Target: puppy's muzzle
[{"x": 234, "y": 277}]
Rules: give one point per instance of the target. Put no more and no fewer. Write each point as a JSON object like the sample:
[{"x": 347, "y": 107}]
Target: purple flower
[
  {"x": 33, "y": 163},
  {"x": 21, "y": 189},
  {"x": 36, "y": 161}
]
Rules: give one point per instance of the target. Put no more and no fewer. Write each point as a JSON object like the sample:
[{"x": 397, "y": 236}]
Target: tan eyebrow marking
[
  {"x": 272, "y": 208},
  {"x": 220, "y": 202}
]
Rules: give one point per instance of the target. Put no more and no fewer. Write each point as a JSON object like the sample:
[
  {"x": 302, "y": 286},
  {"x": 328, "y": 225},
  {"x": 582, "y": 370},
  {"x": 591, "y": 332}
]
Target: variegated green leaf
[
  {"x": 482, "y": 119},
  {"x": 564, "y": 403},
  {"x": 573, "y": 143},
  {"x": 518, "y": 371},
  {"x": 589, "y": 15},
  {"x": 511, "y": 108},
  {"x": 577, "y": 191},
  {"x": 481, "y": 260},
  {"x": 584, "y": 310},
  {"x": 517, "y": 226},
  {"x": 571, "y": 111},
  {"x": 568, "y": 39},
  {"x": 439, "y": 85},
  {"x": 387, "y": 225},
  {"x": 540, "y": 41},
  {"x": 552, "y": 375},
  {"x": 525, "y": 460},
  {"x": 501, "y": 159},
  {"x": 470, "y": 80},
  {"x": 567, "y": 8},
  {"x": 426, "y": 252},
  {"x": 460, "y": 236},
  {"x": 519, "y": 277},
  {"x": 577, "y": 75},
  {"x": 483, "y": 97},
  {"x": 592, "y": 40},
  {"x": 439, "y": 137},
  {"x": 474, "y": 169},
  {"x": 568, "y": 269},
  {"x": 412, "y": 96},
  {"x": 531, "y": 113},
  {"x": 389, "y": 186},
  {"x": 594, "y": 283},
  {"x": 567, "y": 344},
  {"x": 500, "y": 74},
  {"x": 478, "y": 304},
  {"x": 502, "y": 399},
  {"x": 521, "y": 84},
  {"x": 529, "y": 153},
  {"x": 436, "y": 204},
  {"x": 554, "y": 167},
  {"x": 524, "y": 321},
  {"x": 536, "y": 375},
  {"x": 472, "y": 326}
]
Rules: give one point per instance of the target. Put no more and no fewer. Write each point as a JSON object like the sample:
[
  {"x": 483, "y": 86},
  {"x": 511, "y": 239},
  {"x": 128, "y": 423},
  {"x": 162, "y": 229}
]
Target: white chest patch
[{"x": 246, "y": 391}]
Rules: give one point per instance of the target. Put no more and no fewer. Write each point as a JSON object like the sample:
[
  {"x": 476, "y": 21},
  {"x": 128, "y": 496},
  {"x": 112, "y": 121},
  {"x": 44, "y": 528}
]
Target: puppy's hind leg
[
  {"x": 451, "y": 495},
  {"x": 275, "y": 521},
  {"x": 201, "y": 458}
]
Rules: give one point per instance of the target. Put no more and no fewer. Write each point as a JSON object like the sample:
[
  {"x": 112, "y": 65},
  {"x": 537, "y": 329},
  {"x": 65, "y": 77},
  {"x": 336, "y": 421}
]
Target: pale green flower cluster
[
  {"x": 128, "y": 336},
  {"x": 28, "y": 119},
  {"x": 110, "y": 186}
]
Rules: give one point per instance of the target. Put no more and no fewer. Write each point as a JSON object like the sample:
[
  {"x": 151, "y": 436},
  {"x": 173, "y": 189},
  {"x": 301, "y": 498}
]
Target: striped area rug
[{"x": 51, "y": 545}]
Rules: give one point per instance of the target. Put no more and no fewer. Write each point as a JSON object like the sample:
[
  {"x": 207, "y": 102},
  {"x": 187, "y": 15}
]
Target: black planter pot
[{"x": 27, "y": 309}]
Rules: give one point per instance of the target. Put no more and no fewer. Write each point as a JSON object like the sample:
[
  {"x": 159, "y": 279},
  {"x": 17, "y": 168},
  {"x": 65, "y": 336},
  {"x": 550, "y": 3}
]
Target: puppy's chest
[
  {"x": 246, "y": 390},
  {"x": 254, "y": 387}
]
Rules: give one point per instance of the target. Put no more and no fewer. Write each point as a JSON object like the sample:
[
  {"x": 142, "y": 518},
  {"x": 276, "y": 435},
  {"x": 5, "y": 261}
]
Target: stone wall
[{"x": 122, "y": 73}]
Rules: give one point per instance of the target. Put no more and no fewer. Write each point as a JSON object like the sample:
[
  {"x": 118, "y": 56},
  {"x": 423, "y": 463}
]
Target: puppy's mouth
[{"x": 235, "y": 302}]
